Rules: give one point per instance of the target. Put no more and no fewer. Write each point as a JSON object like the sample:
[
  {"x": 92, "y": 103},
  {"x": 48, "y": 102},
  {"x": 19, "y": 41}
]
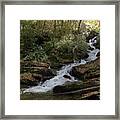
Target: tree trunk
[{"x": 79, "y": 25}]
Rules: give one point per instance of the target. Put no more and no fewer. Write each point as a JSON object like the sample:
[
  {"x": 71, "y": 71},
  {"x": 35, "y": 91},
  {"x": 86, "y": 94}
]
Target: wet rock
[
  {"x": 78, "y": 87},
  {"x": 89, "y": 48},
  {"x": 85, "y": 56},
  {"x": 67, "y": 76},
  {"x": 91, "y": 35},
  {"x": 98, "y": 54},
  {"x": 85, "y": 71},
  {"x": 47, "y": 78},
  {"x": 97, "y": 44},
  {"x": 80, "y": 90}
]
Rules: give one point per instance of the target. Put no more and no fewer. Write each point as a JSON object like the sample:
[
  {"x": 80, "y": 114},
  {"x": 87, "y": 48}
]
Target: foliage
[
  {"x": 92, "y": 25},
  {"x": 38, "y": 55},
  {"x": 72, "y": 48},
  {"x": 55, "y": 40}
]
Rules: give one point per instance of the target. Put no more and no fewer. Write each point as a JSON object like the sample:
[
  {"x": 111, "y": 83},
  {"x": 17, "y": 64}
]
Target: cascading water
[{"x": 59, "y": 79}]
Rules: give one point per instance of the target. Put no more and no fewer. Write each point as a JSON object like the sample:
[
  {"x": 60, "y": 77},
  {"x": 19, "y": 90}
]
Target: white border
[{"x": 15, "y": 106}]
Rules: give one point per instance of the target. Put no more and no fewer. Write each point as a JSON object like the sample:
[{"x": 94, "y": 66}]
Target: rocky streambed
[
  {"x": 74, "y": 81},
  {"x": 86, "y": 86}
]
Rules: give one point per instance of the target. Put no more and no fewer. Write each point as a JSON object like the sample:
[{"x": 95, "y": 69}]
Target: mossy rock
[{"x": 73, "y": 86}]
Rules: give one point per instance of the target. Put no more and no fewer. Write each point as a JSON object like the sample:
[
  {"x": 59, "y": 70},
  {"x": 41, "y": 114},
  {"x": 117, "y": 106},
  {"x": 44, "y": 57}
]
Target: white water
[{"x": 65, "y": 70}]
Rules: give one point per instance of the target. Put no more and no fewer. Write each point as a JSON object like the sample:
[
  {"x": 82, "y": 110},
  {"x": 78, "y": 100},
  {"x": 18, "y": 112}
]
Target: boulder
[
  {"x": 78, "y": 86},
  {"x": 27, "y": 79},
  {"x": 67, "y": 76},
  {"x": 85, "y": 56},
  {"x": 33, "y": 72},
  {"x": 97, "y": 44},
  {"x": 85, "y": 71},
  {"x": 89, "y": 48},
  {"x": 98, "y": 54}
]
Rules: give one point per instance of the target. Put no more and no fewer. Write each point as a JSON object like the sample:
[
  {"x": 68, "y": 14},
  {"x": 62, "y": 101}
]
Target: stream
[{"x": 59, "y": 79}]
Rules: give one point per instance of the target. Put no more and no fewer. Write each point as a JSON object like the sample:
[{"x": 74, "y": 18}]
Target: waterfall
[{"x": 59, "y": 79}]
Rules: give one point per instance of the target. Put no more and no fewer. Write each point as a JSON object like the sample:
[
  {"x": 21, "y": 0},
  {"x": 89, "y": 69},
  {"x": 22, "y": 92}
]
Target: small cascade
[{"x": 59, "y": 79}]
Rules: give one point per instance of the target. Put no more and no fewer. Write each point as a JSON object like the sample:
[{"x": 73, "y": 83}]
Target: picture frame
[{"x": 70, "y": 2}]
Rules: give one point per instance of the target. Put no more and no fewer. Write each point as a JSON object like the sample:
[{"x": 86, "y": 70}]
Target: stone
[
  {"x": 98, "y": 54},
  {"x": 33, "y": 64},
  {"x": 78, "y": 86},
  {"x": 37, "y": 76},
  {"x": 85, "y": 71},
  {"x": 32, "y": 73},
  {"x": 26, "y": 80},
  {"x": 67, "y": 76}
]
